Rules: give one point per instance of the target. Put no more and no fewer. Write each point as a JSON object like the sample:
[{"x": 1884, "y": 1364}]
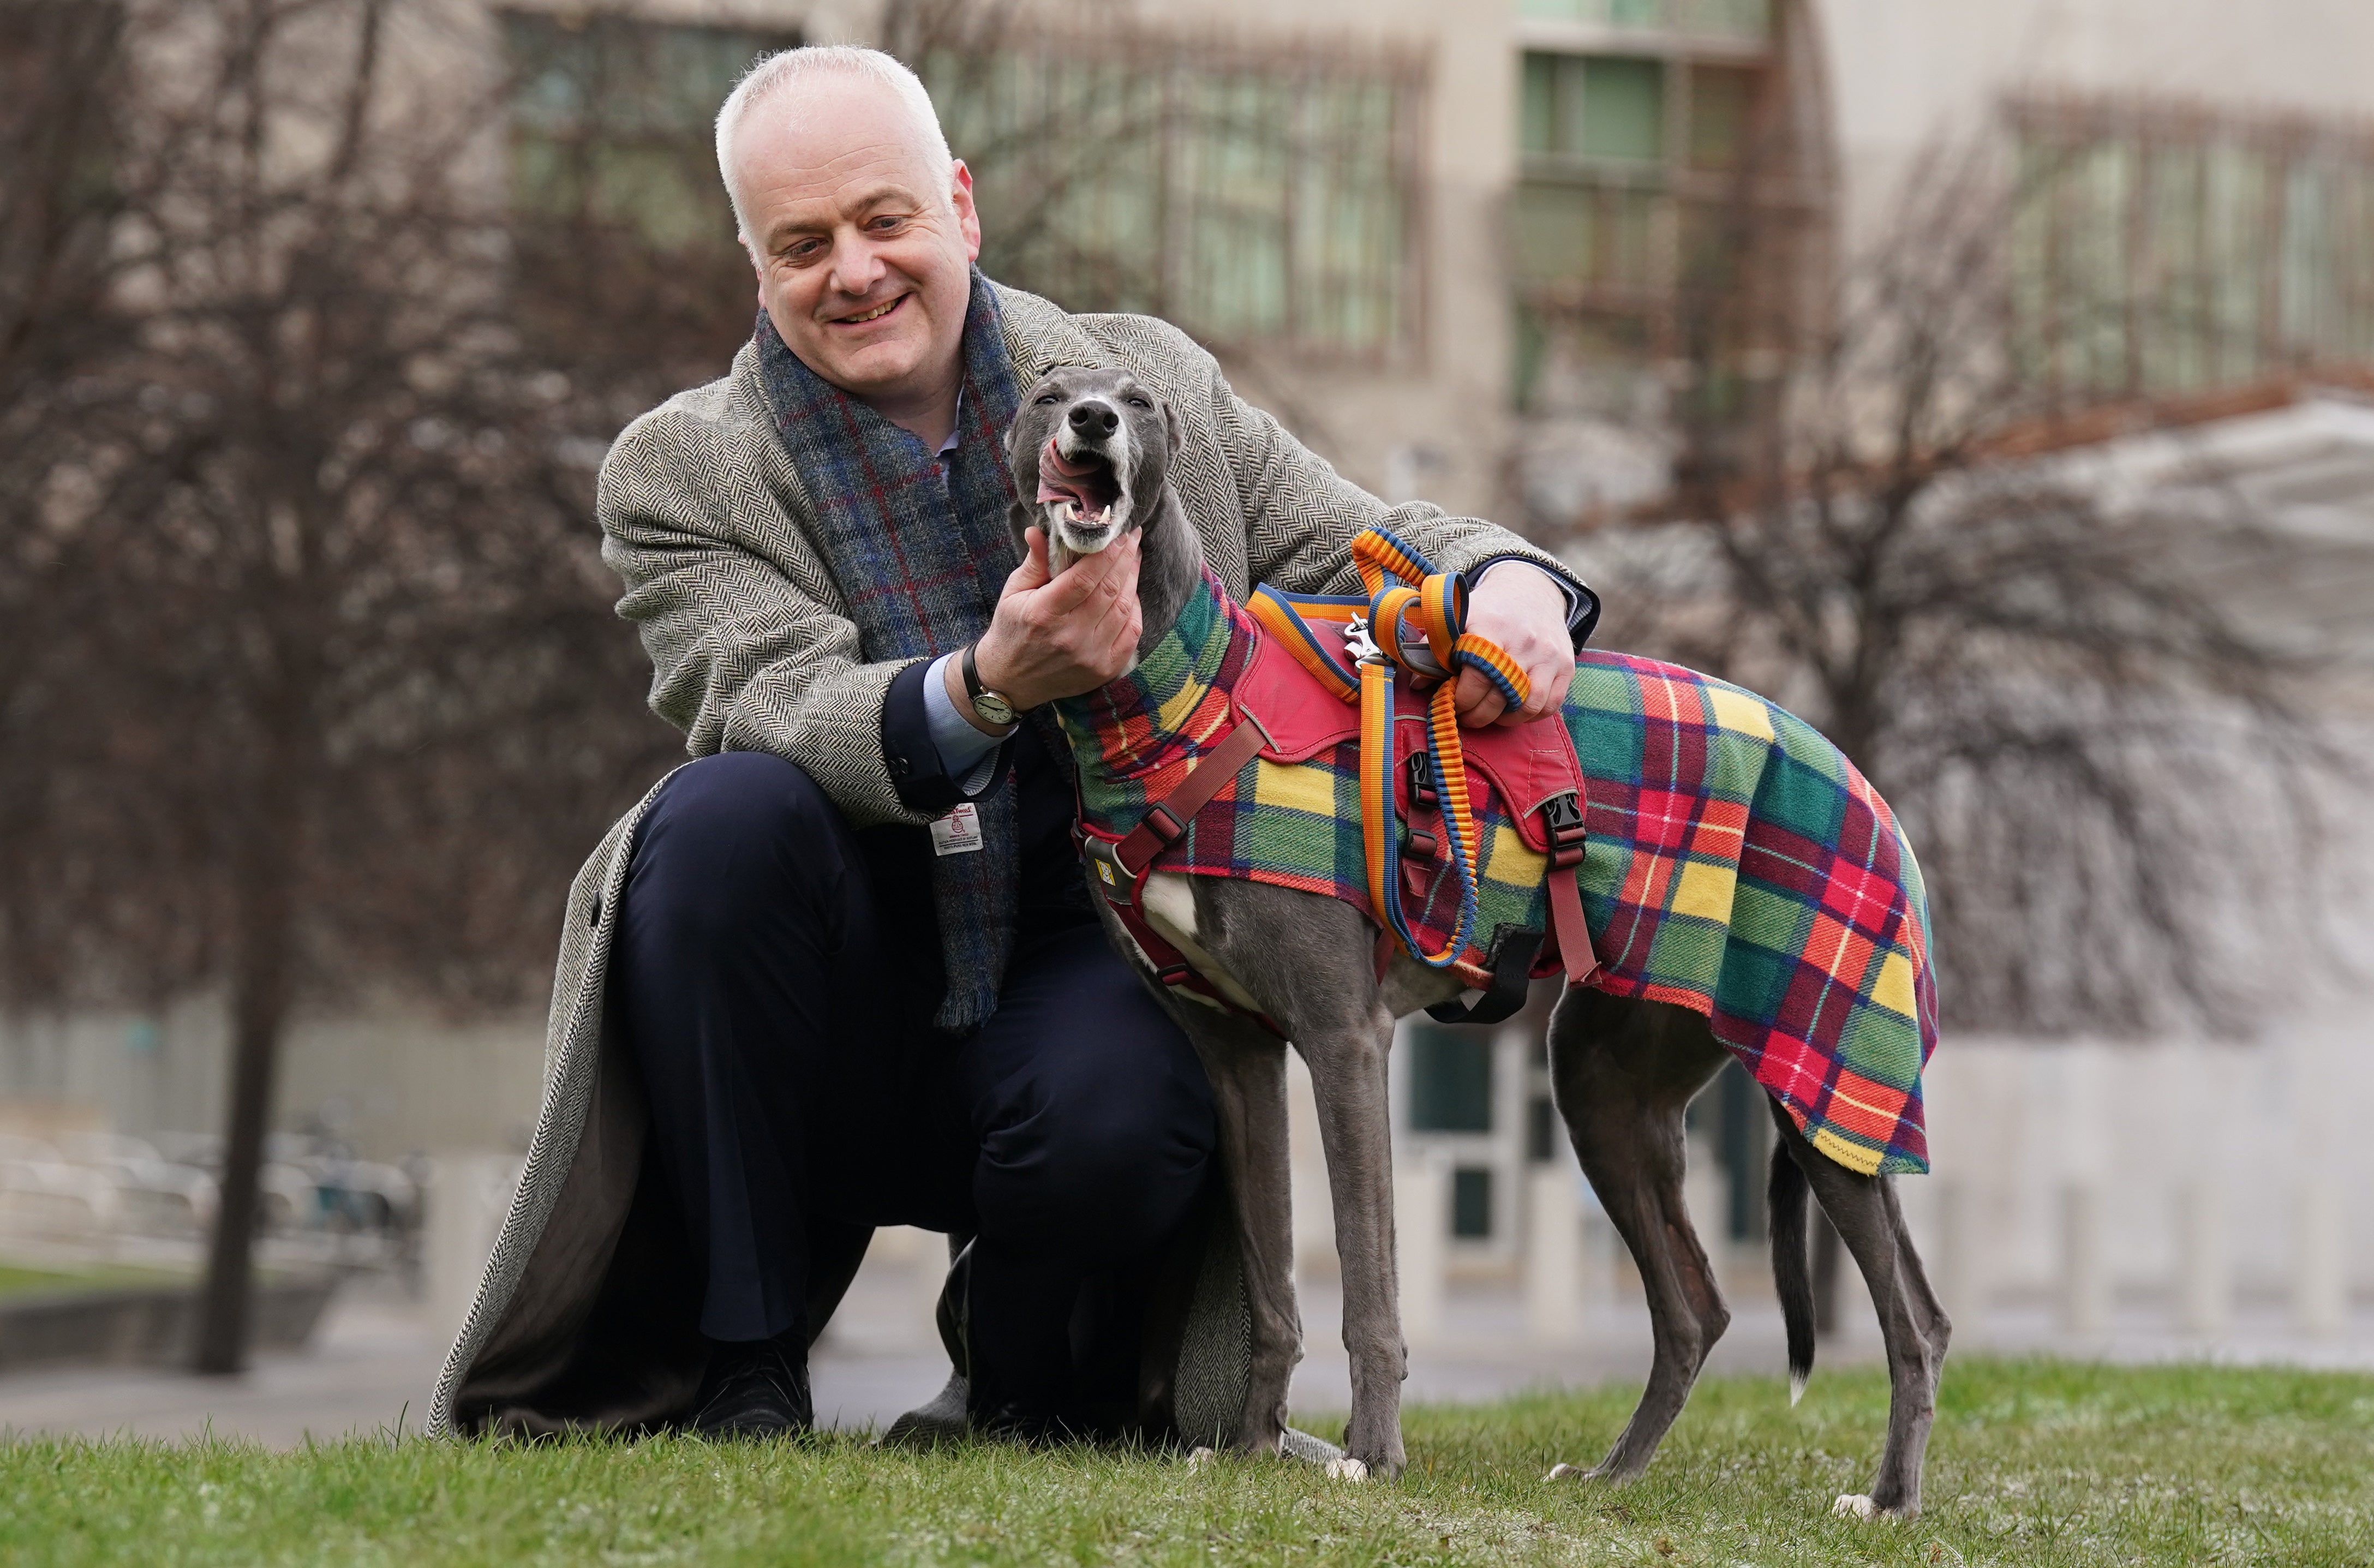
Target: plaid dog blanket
[{"x": 1737, "y": 864}]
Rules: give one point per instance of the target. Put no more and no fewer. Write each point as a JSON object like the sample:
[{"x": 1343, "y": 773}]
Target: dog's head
[{"x": 1091, "y": 452}]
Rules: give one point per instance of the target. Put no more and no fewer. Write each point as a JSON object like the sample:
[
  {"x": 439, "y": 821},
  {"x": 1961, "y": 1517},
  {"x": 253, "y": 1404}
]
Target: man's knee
[
  {"x": 1107, "y": 1159},
  {"x": 733, "y": 829}
]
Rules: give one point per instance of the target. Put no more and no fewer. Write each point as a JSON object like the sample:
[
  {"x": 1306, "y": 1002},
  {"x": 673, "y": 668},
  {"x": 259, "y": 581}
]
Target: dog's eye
[
  {"x": 1047, "y": 401},
  {"x": 1139, "y": 402}
]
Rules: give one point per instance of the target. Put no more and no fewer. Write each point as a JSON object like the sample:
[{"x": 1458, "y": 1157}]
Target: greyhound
[{"x": 1090, "y": 451}]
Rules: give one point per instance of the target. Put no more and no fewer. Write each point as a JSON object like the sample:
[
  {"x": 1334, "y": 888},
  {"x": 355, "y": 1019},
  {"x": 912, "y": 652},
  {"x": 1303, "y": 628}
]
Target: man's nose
[
  {"x": 1095, "y": 420},
  {"x": 856, "y": 266}
]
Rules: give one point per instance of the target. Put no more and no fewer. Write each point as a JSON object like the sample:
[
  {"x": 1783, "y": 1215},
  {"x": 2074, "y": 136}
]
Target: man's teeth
[{"x": 872, "y": 315}]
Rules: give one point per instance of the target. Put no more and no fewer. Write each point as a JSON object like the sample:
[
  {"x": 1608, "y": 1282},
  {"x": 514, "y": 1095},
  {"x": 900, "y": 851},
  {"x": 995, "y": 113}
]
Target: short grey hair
[{"x": 769, "y": 74}]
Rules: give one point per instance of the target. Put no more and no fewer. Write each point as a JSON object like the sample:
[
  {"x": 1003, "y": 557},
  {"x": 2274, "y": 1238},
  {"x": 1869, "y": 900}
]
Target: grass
[
  {"x": 20, "y": 1282},
  {"x": 2033, "y": 1463}
]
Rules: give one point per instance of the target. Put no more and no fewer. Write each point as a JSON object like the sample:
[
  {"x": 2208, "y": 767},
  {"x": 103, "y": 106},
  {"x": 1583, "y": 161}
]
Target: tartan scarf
[{"x": 919, "y": 550}]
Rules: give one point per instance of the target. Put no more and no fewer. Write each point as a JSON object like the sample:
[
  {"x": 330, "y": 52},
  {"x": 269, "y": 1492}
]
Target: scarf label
[{"x": 959, "y": 833}]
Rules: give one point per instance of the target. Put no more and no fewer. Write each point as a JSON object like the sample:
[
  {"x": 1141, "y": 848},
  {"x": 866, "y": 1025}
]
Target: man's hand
[
  {"x": 1521, "y": 608},
  {"x": 1059, "y": 637}
]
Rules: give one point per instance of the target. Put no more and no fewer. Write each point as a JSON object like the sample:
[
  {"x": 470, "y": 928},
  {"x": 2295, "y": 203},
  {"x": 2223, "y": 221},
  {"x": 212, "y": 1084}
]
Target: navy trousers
[{"x": 766, "y": 976}]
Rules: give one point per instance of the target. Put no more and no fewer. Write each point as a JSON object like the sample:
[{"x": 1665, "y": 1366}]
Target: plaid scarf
[{"x": 919, "y": 550}]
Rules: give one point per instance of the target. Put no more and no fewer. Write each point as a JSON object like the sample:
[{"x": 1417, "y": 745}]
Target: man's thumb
[{"x": 1032, "y": 573}]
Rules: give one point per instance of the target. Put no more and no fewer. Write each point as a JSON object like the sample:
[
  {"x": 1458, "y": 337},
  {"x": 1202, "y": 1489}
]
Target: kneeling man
[{"x": 840, "y": 971}]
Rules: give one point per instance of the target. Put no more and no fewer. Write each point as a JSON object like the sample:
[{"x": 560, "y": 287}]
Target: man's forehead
[{"x": 837, "y": 145}]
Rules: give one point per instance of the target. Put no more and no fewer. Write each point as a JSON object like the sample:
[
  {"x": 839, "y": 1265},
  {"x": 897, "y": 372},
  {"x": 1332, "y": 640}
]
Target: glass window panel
[
  {"x": 1537, "y": 115},
  {"x": 1623, "y": 108},
  {"x": 1450, "y": 1080},
  {"x": 1471, "y": 1202}
]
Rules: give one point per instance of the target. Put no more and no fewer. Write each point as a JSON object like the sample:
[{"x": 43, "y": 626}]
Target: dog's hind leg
[
  {"x": 1623, "y": 1073},
  {"x": 1911, "y": 1322}
]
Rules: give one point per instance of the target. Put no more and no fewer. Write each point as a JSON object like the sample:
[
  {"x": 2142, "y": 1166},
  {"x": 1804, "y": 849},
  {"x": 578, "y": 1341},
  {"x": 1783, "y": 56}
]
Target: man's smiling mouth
[{"x": 874, "y": 315}]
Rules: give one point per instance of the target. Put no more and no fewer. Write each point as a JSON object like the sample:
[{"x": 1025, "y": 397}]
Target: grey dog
[{"x": 1622, "y": 1071}]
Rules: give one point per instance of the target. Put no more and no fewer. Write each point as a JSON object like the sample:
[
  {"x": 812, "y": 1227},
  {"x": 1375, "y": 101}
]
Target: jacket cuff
[
  {"x": 1582, "y": 604},
  {"x": 912, "y": 759}
]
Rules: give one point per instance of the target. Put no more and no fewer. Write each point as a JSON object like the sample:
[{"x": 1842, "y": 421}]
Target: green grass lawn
[
  {"x": 21, "y": 1280},
  {"x": 2033, "y": 1462}
]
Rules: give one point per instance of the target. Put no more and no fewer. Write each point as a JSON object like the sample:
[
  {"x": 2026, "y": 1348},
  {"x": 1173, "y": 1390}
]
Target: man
[{"x": 841, "y": 967}]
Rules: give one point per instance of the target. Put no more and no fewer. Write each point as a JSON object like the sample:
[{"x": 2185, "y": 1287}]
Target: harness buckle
[
  {"x": 1121, "y": 883},
  {"x": 1563, "y": 816},
  {"x": 1420, "y": 769}
]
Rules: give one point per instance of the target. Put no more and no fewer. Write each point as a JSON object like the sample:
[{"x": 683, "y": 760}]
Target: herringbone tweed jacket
[{"x": 580, "y": 1319}]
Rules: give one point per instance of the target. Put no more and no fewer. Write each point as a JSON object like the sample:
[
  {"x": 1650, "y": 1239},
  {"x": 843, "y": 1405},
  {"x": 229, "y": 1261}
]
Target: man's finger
[
  {"x": 1477, "y": 700},
  {"x": 1032, "y": 573},
  {"x": 1088, "y": 574}
]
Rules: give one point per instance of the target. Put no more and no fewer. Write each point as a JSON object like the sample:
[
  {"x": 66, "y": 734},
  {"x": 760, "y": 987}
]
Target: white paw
[
  {"x": 1854, "y": 1506},
  {"x": 1201, "y": 1459},
  {"x": 1564, "y": 1472},
  {"x": 1346, "y": 1469}
]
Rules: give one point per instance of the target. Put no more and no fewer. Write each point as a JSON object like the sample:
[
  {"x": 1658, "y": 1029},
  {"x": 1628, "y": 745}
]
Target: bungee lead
[{"x": 1408, "y": 596}]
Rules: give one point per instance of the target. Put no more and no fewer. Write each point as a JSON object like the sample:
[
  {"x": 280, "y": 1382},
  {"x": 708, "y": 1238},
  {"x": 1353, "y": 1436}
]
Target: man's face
[{"x": 862, "y": 240}]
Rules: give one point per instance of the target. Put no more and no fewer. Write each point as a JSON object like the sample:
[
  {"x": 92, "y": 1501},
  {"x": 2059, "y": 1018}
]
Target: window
[
  {"x": 1471, "y": 1202},
  {"x": 1450, "y": 1079},
  {"x": 2159, "y": 250},
  {"x": 611, "y": 118},
  {"x": 1630, "y": 199},
  {"x": 1262, "y": 201},
  {"x": 1719, "y": 18}
]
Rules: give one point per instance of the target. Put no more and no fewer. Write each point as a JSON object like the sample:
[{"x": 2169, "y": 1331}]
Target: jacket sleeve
[
  {"x": 747, "y": 653},
  {"x": 1300, "y": 516}
]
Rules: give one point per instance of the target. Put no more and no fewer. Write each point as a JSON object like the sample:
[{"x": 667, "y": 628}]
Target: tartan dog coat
[{"x": 1735, "y": 861}]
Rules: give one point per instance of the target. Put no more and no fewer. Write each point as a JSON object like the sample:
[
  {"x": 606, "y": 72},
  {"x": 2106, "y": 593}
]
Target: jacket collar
[{"x": 1040, "y": 336}]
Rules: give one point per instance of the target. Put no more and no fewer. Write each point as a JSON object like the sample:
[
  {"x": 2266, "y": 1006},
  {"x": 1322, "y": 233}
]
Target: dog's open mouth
[{"x": 1085, "y": 484}]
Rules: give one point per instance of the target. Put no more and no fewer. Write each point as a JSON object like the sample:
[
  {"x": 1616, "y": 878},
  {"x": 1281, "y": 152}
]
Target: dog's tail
[{"x": 1792, "y": 1276}]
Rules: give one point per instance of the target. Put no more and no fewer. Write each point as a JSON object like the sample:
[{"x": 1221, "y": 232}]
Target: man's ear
[{"x": 960, "y": 201}]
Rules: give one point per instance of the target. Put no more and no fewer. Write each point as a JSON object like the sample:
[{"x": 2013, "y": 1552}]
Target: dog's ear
[{"x": 1170, "y": 425}]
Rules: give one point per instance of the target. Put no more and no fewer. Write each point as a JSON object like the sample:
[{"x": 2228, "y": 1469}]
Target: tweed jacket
[{"x": 706, "y": 521}]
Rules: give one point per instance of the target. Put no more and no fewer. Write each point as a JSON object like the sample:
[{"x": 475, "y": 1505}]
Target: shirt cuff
[
  {"x": 966, "y": 754},
  {"x": 1581, "y": 604}
]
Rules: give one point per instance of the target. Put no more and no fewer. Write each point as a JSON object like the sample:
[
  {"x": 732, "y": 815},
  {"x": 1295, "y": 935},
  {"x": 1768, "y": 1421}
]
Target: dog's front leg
[
  {"x": 1347, "y": 1076},
  {"x": 1246, "y": 1067}
]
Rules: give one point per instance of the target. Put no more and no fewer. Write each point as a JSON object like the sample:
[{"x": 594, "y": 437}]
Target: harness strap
[
  {"x": 1564, "y": 815},
  {"x": 1121, "y": 865}
]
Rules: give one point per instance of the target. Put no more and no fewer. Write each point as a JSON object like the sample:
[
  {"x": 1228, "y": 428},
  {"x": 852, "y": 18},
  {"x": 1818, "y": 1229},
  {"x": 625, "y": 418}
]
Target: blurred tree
[
  {"x": 315, "y": 689},
  {"x": 1881, "y": 518}
]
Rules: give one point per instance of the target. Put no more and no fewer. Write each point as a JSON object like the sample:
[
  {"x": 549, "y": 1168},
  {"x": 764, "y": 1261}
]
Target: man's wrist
[{"x": 952, "y": 679}]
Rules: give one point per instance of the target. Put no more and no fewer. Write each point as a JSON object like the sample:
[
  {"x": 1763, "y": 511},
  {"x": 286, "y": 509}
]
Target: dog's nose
[{"x": 1095, "y": 418}]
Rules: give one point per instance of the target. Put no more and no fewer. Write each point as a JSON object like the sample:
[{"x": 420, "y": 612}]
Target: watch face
[{"x": 993, "y": 708}]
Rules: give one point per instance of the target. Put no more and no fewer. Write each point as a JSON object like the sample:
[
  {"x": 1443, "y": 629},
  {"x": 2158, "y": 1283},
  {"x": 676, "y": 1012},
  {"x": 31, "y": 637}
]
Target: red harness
[{"x": 1295, "y": 698}]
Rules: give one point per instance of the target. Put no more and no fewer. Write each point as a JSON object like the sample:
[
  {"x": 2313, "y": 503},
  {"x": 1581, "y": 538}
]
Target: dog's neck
[
  {"x": 1192, "y": 628},
  {"x": 1170, "y": 569}
]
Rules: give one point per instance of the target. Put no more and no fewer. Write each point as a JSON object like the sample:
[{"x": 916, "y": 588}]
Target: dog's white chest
[{"x": 1169, "y": 903}]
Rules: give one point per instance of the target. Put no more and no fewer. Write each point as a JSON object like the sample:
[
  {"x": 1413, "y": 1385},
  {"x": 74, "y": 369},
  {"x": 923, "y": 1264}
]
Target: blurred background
[{"x": 1993, "y": 385}]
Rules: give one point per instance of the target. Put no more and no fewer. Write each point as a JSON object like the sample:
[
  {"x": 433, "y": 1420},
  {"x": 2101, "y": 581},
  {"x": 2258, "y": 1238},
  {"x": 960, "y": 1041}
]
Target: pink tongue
[{"x": 1053, "y": 459}]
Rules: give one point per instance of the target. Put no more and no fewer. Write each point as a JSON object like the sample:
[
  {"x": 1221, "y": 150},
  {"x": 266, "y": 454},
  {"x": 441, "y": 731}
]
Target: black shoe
[{"x": 757, "y": 1390}]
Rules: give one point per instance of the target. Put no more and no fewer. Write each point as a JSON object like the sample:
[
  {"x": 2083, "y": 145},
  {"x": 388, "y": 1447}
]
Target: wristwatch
[{"x": 994, "y": 707}]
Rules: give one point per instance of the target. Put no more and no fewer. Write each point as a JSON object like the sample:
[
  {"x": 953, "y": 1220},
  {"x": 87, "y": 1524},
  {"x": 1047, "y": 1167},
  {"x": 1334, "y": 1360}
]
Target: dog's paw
[
  {"x": 1201, "y": 1459},
  {"x": 1855, "y": 1505},
  {"x": 1566, "y": 1472},
  {"x": 1346, "y": 1469}
]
